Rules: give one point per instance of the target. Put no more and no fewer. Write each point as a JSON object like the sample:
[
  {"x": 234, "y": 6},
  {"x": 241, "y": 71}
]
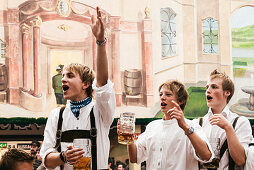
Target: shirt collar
[{"x": 225, "y": 112}]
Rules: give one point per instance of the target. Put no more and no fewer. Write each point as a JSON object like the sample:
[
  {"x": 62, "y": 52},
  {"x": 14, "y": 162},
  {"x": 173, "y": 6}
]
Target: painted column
[
  {"x": 147, "y": 65},
  {"x": 115, "y": 51},
  {"x": 36, "y": 52},
  {"x": 25, "y": 54},
  {"x": 13, "y": 55}
]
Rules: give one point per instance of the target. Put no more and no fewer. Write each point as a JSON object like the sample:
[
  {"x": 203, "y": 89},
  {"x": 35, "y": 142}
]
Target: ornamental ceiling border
[{"x": 64, "y": 8}]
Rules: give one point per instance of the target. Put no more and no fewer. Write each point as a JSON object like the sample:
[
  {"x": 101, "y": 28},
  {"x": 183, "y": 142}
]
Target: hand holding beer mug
[
  {"x": 215, "y": 144},
  {"x": 84, "y": 163},
  {"x": 126, "y": 128}
]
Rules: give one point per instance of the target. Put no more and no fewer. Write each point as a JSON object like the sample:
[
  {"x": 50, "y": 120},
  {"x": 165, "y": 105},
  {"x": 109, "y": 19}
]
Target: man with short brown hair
[{"x": 16, "y": 159}]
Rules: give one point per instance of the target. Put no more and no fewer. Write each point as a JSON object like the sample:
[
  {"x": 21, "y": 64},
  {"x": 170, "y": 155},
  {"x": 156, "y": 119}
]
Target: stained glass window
[
  {"x": 2, "y": 52},
  {"x": 210, "y": 35},
  {"x": 168, "y": 32}
]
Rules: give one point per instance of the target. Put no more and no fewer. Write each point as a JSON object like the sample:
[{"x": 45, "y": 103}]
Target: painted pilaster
[
  {"x": 147, "y": 65},
  {"x": 25, "y": 54},
  {"x": 36, "y": 52},
  {"x": 115, "y": 47}
]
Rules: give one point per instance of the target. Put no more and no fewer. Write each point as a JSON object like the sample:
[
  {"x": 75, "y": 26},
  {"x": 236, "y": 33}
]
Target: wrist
[
  {"x": 63, "y": 156},
  {"x": 101, "y": 42}
]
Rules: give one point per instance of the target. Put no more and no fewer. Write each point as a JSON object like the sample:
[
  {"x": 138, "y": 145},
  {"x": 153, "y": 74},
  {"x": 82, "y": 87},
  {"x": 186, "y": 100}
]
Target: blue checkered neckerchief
[{"x": 76, "y": 106}]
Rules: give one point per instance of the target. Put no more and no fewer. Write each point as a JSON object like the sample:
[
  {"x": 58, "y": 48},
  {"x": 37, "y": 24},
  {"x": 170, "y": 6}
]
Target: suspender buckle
[
  {"x": 58, "y": 134},
  {"x": 93, "y": 132}
]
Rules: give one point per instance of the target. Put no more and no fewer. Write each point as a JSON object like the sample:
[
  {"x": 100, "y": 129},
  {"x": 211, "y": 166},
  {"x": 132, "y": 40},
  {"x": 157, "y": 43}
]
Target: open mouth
[
  {"x": 163, "y": 104},
  {"x": 209, "y": 97},
  {"x": 65, "y": 87}
]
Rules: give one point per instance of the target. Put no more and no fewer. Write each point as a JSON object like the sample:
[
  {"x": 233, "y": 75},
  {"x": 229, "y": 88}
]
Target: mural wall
[{"x": 148, "y": 42}]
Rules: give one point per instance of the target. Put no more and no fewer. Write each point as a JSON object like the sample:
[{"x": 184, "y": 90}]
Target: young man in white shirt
[
  {"x": 78, "y": 84},
  {"x": 218, "y": 122},
  {"x": 172, "y": 143}
]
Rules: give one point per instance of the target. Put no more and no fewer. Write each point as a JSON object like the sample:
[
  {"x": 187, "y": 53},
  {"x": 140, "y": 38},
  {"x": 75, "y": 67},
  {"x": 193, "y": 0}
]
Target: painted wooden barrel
[
  {"x": 132, "y": 82},
  {"x": 3, "y": 77}
]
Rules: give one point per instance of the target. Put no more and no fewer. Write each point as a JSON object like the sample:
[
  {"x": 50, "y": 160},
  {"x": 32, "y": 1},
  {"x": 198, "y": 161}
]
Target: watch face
[{"x": 190, "y": 131}]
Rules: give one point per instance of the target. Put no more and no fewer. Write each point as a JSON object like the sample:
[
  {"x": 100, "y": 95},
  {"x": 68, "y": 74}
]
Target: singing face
[
  {"x": 166, "y": 97},
  {"x": 73, "y": 87}
]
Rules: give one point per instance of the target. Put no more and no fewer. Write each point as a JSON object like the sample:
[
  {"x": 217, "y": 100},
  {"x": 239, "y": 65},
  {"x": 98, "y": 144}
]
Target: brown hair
[
  {"x": 179, "y": 91},
  {"x": 12, "y": 157},
  {"x": 227, "y": 83},
  {"x": 85, "y": 73}
]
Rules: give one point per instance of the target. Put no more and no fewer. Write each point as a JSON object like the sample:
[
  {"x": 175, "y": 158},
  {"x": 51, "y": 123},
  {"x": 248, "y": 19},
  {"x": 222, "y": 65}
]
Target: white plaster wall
[{"x": 130, "y": 51}]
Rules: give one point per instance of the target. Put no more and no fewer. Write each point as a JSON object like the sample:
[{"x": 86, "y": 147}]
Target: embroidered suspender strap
[
  {"x": 93, "y": 134},
  {"x": 231, "y": 163},
  {"x": 59, "y": 132}
]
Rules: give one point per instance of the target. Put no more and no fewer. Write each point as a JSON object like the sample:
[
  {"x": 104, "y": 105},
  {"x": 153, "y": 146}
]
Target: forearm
[
  {"x": 236, "y": 149},
  {"x": 102, "y": 66},
  {"x": 53, "y": 160},
  {"x": 200, "y": 147},
  {"x": 132, "y": 151}
]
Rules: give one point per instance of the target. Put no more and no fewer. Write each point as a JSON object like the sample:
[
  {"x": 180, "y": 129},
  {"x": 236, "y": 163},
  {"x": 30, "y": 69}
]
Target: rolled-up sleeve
[
  {"x": 105, "y": 102},
  {"x": 198, "y": 130}
]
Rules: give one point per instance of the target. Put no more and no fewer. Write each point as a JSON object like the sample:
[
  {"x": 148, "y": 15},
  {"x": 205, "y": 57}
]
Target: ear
[
  {"x": 85, "y": 85},
  {"x": 227, "y": 93}
]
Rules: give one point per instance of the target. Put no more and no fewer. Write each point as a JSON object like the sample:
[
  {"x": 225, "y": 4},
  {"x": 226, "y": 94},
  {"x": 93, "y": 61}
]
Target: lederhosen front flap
[{"x": 70, "y": 135}]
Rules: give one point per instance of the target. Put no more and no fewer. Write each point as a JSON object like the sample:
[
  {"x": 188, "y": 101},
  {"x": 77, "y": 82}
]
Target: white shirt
[
  {"x": 164, "y": 145},
  {"x": 250, "y": 158},
  {"x": 104, "y": 109},
  {"x": 242, "y": 129}
]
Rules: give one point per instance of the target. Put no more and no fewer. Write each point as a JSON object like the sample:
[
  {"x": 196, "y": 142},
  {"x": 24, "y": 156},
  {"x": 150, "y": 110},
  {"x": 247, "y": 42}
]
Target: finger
[
  {"x": 176, "y": 104},
  {"x": 170, "y": 110},
  {"x": 98, "y": 12}
]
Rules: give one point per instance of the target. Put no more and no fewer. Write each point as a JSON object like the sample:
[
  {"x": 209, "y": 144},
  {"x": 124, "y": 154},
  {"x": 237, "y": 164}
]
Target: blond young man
[
  {"x": 218, "y": 122},
  {"x": 80, "y": 116},
  {"x": 173, "y": 142}
]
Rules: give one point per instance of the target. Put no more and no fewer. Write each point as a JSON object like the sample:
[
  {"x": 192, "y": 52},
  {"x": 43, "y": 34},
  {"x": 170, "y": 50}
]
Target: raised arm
[
  {"x": 199, "y": 145},
  {"x": 98, "y": 30}
]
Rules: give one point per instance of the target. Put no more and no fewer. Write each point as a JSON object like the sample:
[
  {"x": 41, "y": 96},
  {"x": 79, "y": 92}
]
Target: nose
[
  {"x": 162, "y": 97},
  {"x": 63, "y": 78},
  {"x": 208, "y": 90}
]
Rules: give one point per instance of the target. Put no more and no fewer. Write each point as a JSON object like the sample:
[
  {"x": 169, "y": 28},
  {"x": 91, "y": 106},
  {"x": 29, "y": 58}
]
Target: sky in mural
[{"x": 239, "y": 18}]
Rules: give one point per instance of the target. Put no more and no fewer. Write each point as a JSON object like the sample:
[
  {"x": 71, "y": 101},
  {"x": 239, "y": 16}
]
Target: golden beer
[
  {"x": 125, "y": 138},
  {"x": 213, "y": 165},
  {"x": 84, "y": 163}
]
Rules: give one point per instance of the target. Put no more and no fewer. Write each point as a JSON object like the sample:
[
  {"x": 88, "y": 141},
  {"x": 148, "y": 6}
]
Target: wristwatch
[{"x": 190, "y": 131}]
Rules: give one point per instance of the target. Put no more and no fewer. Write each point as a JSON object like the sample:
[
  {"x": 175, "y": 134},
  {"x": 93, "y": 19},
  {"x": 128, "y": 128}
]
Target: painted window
[
  {"x": 210, "y": 35},
  {"x": 2, "y": 46},
  {"x": 168, "y": 32}
]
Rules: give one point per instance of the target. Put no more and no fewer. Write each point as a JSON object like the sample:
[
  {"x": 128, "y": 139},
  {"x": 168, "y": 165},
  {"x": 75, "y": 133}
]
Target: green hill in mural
[{"x": 243, "y": 37}]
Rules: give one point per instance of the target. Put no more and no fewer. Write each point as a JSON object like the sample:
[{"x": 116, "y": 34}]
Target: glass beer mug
[
  {"x": 84, "y": 163},
  {"x": 127, "y": 128},
  {"x": 215, "y": 144}
]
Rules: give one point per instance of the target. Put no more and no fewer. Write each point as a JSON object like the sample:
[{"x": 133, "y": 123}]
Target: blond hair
[
  {"x": 227, "y": 83},
  {"x": 85, "y": 73}
]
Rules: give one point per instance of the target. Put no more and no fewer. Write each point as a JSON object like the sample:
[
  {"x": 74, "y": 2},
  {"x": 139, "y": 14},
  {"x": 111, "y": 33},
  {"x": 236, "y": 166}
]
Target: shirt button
[
  {"x": 77, "y": 118},
  {"x": 77, "y": 127},
  {"x": 160, "y": 149},
  {"x": 159, "y": 163}
]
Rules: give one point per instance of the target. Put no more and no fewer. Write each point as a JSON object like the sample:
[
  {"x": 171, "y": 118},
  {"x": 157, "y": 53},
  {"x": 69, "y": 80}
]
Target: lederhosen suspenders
[
  {"x": 68, "y": 136},
  {"x": 224, "y": 147}
]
